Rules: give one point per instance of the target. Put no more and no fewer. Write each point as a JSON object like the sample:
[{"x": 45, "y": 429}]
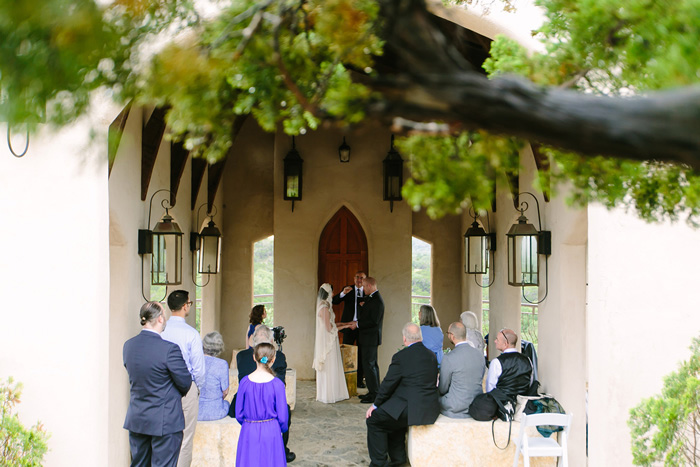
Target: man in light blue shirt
[{"x": 188, "y": 339}]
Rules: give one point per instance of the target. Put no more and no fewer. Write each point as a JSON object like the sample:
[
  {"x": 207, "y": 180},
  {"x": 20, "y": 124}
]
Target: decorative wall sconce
[
  {"x": 393, "y": 176},
  {"x": 525, "y": 243},
  {"x": 206, "y": 246},
  {"x": 344, "y": 151},
  {"x": 293, "y": 175},
  {"x": 164, "y": 244},
  {"x": 9, "y": 143},
  {"x": 477, "y": 248}
]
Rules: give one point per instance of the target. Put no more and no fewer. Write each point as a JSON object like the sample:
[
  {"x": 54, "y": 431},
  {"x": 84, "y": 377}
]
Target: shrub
[
  {"x": 667, "y": 427},
  {"x": 19, "y": 446}
]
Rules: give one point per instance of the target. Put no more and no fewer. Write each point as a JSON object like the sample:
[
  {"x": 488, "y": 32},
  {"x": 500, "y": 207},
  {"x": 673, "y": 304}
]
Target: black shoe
[
  {"x": 367, "y": 401},
  {"x": 290, "y": 456},
  {"x": 367, "y": 398}
]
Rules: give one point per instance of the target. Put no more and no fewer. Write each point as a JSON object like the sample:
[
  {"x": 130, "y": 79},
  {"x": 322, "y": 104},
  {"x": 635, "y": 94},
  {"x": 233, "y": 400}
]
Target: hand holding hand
[
  {"x": 353, "y": 325},
  {"x": 347, "y": 289}
]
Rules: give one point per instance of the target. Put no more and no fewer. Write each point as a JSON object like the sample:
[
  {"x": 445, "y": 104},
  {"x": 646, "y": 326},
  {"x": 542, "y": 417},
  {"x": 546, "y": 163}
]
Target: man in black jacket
[
  {"x": 408, "y": 396},
  {"x": 369, "y": 322},
  {"x": 351, "y": 297}
]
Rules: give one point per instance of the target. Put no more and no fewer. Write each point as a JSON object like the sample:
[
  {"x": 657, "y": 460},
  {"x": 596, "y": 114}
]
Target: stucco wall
[
  {"x": 127, "y": 214},
  {"x": 446, "y": 237},
  {"x": 328, "y": 185},
  {"x": 55, "y": 282},
  {"x": 247, "y": 213},
  {"x": 642, "y": 315}
]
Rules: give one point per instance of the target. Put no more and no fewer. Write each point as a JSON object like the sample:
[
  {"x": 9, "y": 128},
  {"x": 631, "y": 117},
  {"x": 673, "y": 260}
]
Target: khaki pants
[{"x": 190, "y": 406}]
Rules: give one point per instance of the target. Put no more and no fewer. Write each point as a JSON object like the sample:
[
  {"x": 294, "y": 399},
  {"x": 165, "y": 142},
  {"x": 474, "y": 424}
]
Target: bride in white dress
[{"x": 330, "y": 376}]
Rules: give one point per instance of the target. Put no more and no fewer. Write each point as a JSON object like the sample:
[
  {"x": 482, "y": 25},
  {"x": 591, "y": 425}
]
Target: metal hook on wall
[{"x": 9, "y": 143}]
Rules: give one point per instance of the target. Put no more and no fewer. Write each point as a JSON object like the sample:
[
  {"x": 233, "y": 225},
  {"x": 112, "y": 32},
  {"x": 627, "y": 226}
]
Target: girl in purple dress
[{"x": 261, "y": 409}]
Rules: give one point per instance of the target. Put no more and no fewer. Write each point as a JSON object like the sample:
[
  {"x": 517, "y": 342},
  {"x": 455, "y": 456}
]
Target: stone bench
[
  {"x": 466, "y": 442},
  {"x": 215, "y": 443}
]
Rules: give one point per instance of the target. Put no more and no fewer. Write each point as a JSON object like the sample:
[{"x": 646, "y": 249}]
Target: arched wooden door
[{"x": 342, "y": 251}]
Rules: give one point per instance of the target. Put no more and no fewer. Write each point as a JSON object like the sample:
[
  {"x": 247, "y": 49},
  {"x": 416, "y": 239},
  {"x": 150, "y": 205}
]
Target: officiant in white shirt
[{"x": 352, "y": 296}]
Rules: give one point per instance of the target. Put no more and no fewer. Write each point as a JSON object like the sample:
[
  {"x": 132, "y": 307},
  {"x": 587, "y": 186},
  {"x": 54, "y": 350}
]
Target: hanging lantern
[
  {"x": 393, "y": 176},
  {"x": 344, "y": 151},
  {"x": 477, "y": 245},
  {"x": 293, "y": 181},
  {"x": 209, "y": 249},
  {"x": 166, "y": 260}
]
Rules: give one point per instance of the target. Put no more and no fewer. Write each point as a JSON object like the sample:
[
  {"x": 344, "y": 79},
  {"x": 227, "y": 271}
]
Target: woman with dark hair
[
  {"x": 430, "y": 328},
  {"x": 330, "y": 375},
  {"x": 212, "y": 405},
  {"x": 257, "y": 316},
  {"x": 261, "y": 409}
]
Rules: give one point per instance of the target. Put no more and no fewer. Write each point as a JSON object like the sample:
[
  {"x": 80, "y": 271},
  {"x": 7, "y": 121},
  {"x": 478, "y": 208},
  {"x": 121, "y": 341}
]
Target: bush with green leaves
[
  {"x": 666, "y": 428},
  {"x": 19, "y": 446}
]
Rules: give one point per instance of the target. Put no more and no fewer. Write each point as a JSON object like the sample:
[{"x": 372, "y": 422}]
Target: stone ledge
[
  {"x": 215, "y": 443},
  {"x": 466, "y": 442}
]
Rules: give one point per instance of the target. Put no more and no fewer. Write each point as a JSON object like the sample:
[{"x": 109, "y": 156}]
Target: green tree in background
[
  {"x": 19, "y": 446},
  {"x": 666, "y": 428}
]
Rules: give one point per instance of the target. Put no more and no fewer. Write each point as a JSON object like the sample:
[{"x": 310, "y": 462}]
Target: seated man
[
  {"x": 407, "y": 396},
  {"x": 246, "y": 365},
  {"x": 461, "y": 374},
  {"x": 511, "y": 372}
]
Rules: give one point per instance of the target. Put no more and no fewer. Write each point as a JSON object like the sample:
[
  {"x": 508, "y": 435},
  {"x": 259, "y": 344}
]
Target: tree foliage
[
  {"x": 590, "y": 97},
  {"x": 19, "y": 446},
  {"x": 666, "y": 428}
]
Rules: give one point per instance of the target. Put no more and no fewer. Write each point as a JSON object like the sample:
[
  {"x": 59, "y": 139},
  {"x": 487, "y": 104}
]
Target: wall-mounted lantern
[
  {"x": 478, "y": 246},
  {"x": 393, "y": 176},
  {"x": 344, "y": 151},
  {"x": 525, "y": 244},
  {"x": 206, "y": 247},
  {"x": 164, "y": 244},
  {"x": 293, "y": 175}
]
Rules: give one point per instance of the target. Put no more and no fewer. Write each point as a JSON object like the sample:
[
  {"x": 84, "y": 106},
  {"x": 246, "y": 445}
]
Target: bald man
[
  {"x": 511, "y": 372},
  {"x": 407, "y": 396}
]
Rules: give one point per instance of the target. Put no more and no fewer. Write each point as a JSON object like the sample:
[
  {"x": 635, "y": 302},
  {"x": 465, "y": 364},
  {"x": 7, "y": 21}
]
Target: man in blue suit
[{"x": 159, "y": 378}]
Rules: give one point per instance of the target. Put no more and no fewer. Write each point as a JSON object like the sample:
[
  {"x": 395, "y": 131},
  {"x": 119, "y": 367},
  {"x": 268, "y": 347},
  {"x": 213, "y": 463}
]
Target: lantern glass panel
[
  {"x": 523, "y": 260},
  {"x": 477, "y": 255},
  {"x": 292, "y": 186},
  {"x": 209, "y": 254},
  {"x": 166, "y": 261}
]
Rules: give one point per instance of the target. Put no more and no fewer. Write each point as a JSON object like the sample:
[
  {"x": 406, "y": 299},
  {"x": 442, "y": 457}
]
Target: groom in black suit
[
  {"x": 159, "y": 378},
  {"x": 408, "y": 396},
  {"x": 352, "y": 296},
  {"x": 369, "y": 322}
]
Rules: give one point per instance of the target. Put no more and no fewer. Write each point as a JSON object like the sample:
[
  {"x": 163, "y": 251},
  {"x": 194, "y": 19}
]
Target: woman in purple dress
[
  {"x": 212, "y": 405},
  {"x": 261, "y": 409}
]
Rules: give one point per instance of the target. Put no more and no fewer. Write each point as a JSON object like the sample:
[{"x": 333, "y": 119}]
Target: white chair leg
[
  {"x": 517, "y": 455},
  {"x": 526, "y": 460}
]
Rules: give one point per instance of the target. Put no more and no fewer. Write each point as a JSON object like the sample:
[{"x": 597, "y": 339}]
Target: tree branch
[{"x": 440, "y": 87}]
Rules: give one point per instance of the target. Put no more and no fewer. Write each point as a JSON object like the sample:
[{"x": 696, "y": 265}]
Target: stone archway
[{"x": 342, "y": 251}]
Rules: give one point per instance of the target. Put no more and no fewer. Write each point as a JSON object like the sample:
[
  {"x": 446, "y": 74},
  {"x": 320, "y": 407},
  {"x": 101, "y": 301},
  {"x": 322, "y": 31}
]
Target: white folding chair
[{"x": 538, "y": 446}]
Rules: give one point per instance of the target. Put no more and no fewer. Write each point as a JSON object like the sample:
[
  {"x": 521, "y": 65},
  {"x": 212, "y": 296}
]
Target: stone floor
[{"x": 327, "y": 434}]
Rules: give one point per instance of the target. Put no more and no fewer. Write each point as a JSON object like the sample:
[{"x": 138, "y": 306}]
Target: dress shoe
[
  {"x": 367, "y": 401},
  {"x": 290, "y": 456},
  {"x": 367, "y": 398}
]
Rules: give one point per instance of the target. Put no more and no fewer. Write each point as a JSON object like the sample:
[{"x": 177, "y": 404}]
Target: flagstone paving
[{"x": 327, "y": 434}]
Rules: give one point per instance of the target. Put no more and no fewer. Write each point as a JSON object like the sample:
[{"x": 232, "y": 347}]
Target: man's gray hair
[
  {"x": 213, "y": 344},
  {"x": 411, "y": 332},
  {"x": 458, "y": 330},
  {"x": 262, "y": 335}
]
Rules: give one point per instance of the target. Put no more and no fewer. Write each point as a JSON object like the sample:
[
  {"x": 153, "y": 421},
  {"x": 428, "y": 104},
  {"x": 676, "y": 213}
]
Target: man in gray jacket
[{"x": 461, "y": 374}]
